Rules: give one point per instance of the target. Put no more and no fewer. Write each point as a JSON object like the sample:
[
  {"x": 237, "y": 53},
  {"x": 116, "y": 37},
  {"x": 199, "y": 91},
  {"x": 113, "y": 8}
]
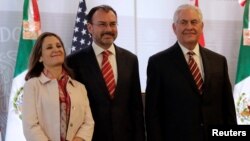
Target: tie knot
[
  {"x": 105, "y": 53},
  {"x": 190, "y": 53}
]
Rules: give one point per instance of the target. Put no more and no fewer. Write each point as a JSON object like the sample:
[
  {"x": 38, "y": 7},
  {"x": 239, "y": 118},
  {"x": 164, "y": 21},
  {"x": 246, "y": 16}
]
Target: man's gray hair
[{"x": 187, "y": 6}]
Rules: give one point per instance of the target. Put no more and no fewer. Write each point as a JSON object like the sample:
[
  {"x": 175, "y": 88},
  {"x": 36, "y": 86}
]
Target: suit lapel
[
  {"x": 97, "y": 74},
  {"x": 206, "y": 68},
  {"x": 120, "y": 68},
  {"x": 181, "y": 64}
]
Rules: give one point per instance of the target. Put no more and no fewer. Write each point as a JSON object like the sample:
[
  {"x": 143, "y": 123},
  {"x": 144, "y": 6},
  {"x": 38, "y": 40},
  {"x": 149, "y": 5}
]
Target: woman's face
[{"x": 53, "y": 54}]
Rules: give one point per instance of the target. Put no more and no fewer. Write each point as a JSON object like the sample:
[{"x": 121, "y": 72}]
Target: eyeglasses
[
  {"x": 185, "y": 22},
  {"x": 105, "y": 25}
]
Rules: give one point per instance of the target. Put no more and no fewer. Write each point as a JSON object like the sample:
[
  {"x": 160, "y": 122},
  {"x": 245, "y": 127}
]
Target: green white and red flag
[
  {"x": 30, "y": 30},
  {"x": 242, "y": 81}
]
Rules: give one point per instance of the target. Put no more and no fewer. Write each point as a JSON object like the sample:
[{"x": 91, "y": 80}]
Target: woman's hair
[{"x": 36, "y": 67}]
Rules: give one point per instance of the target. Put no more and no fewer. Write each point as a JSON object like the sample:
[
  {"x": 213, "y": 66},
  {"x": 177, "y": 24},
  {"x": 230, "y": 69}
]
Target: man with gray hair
[{"x": 188, "y": 87}]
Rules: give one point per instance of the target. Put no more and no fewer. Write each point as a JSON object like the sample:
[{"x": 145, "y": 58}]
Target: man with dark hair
[{"x": 111, "y": 77}]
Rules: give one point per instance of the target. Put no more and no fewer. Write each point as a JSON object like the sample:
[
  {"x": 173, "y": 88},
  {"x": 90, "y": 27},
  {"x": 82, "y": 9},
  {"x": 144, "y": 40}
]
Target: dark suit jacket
[
  {"x": 120, "y": 119},
  {"x": 175, "y": 111}
]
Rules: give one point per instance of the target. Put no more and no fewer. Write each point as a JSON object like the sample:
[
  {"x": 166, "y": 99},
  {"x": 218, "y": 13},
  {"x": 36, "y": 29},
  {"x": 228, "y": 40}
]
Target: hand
[{"x": 78, "y": 139}]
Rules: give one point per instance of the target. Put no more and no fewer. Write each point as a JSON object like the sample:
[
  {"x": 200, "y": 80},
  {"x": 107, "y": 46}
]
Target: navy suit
[
  {"x": 175, "y": 111},
  {"x": 119, "y": 119}
]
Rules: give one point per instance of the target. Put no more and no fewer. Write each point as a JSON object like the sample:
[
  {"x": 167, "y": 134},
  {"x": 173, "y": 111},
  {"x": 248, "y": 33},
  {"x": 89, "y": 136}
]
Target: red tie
[
  {"x": 107, "y": 73},
  {"x": 195, "y": 71}
]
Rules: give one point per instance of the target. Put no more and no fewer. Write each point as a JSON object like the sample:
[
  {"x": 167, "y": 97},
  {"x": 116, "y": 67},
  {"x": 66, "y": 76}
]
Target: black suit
[
  {"x": 175, "y": 111},
  {"x": 120, "y": 119}
]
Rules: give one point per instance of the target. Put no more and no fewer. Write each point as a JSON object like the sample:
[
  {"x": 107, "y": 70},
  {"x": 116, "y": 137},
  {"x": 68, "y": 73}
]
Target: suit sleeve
[
  {"x": 152, "y": 108},
  {"x": 228, "y": 105}
]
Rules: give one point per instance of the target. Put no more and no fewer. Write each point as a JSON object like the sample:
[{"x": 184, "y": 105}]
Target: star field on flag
[{"x": 81, "y": 37}]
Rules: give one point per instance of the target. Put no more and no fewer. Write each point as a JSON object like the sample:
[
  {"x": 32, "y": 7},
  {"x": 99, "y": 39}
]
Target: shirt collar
[
  {"x": 98, "y": 50},
  {"x": 44, "y": 79},
  {"x": 196, "y": 49}
]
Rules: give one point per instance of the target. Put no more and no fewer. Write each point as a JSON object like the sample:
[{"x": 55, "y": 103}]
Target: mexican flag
[
  {"x": 242, "y": 84},
  {"x": 30, "y": 30}
]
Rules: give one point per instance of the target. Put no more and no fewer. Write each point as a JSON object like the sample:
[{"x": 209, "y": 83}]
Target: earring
[{"x": 40, "y": 60}]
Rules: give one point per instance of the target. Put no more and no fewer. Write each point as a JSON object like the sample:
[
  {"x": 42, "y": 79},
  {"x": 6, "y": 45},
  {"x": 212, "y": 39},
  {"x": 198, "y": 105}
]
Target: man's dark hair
[{"x": 105, "y": 8}]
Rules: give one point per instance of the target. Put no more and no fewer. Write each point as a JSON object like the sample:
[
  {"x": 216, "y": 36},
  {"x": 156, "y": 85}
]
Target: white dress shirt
[
  {"x": 196, "y": 56},
  {"x": 112, "y": 57}
]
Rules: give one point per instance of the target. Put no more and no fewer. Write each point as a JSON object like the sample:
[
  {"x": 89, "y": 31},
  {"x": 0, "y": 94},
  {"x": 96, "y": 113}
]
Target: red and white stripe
[{"x": 108, "y": 74}]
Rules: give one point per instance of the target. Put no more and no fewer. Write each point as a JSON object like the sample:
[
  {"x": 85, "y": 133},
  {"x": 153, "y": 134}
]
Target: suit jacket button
[{"x": 71, "y": 125}]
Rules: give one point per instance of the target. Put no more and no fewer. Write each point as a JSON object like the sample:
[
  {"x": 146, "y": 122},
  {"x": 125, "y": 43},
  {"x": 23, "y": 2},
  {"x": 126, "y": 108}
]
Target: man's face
[
  {"x": 103, "y": 28},
  {"x": 188, "y": 28}
]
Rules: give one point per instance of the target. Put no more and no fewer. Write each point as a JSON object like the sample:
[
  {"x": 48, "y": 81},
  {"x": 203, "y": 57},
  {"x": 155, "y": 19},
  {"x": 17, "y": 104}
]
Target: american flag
[{"x": 81, "y": 36}]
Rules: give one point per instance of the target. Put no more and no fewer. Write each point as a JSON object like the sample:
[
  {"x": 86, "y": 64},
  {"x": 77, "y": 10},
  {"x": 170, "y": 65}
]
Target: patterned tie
[
  {"x": 195, "y": 71},
  {"x": 108, "y": 74}
]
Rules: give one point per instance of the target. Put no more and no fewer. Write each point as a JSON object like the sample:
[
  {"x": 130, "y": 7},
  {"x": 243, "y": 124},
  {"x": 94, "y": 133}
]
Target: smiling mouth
[
  {"x": 108, "y": 37},
  {"x": 108, "y": 33},
  {"x": 56, "y": 55},
  {"x": 189, "y": 33}
]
